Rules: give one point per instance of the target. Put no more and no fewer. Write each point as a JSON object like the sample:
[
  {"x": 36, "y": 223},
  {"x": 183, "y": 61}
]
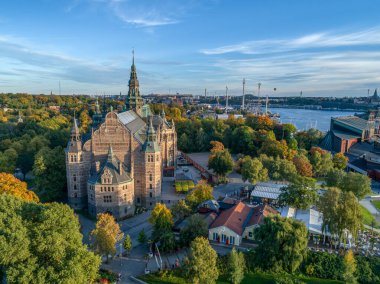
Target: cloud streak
[{"x": 369, "y": 37}]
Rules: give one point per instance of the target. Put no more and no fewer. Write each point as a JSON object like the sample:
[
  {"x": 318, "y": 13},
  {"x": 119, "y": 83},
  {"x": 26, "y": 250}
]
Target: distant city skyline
[{"x": 322, "y": 48}]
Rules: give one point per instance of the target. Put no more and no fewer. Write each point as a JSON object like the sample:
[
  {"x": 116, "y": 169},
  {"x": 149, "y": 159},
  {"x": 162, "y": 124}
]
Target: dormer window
[{"x": 106, "y": 177}]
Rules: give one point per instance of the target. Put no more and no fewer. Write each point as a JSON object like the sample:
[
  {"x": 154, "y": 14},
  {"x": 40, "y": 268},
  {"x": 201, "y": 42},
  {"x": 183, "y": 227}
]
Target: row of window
[
  {"x": 74, "y": 158},
  {"x": 107, "y": 198},
  {"x": 225, "y": 239},
  {"x": 105, "y": 188}
]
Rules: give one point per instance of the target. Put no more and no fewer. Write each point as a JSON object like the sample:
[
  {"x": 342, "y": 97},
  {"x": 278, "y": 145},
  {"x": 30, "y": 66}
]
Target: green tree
[
  {"x": 340, "y": 161},
  {"x": 322, "y": 163},
  {"x": 341, "y": 212},
  {"x": 221, "y": 162},
  {"x": 349, "y": 264},
  {"x": 300, "y": 193},
  {"x": 50, "y": 173},
  {"x": 335, "y": 177},
  {"x": 359, "y": 184},
  {"x": 162, "y": 220},
  {"x": 8, "y": 160},
  {"x": 278, "y": 169},
  {"x": 275, "y": 149},
  {"x": 201, "y": 267},
  {"x": 236, "y": 266},
  {"x": 282, "y": 244},
  {"x": 142, "y": 238},
  {"x": 253, "y": 170},
  {"x": 200, "y": 193},
  {"x": 181, "y": 210},
  {"x": 242, "y": 140},
  {"x": 184, "y": 143},
  {"x": 106, "y": 234},
  {"x": 41, "y": 243},
  {"x": 196, "y": 227},
  {"x": 127, "y": 244}
]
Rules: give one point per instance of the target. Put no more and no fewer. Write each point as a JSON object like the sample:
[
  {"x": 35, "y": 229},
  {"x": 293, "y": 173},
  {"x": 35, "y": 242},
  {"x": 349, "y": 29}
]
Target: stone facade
[{"x": 123, "y": 161}]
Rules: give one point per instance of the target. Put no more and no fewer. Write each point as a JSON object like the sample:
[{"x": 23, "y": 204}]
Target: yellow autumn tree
[
  {"x": 106, "y": 234},
  {"x": 13, "y": 186}
]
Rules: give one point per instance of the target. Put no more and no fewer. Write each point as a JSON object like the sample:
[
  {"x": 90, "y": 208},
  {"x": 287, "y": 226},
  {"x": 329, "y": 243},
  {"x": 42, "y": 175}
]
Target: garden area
[
  {"x": 184, "y": 186},
  {"x": 376, "y": 203},
  {"x": 368, "y": 218}
]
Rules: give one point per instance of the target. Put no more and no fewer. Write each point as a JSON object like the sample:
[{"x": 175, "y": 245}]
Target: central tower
[{"x": 134, "y": 99}]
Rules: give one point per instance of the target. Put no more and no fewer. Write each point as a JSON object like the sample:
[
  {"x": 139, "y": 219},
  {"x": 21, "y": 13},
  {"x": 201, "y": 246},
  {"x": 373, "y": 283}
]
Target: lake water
[{"x": 305, "y": 118}]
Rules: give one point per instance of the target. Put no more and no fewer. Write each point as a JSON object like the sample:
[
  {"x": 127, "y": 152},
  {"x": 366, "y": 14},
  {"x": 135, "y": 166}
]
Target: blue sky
[{"x": 328, "y": 48}]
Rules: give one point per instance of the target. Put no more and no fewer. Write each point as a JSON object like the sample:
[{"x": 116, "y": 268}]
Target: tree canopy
[
  {"x": 41, "y": 243},
  {"x": 13, "y": 186},
  {"x": 300, "y": 193},
  {"x": 282, "y": 244},
  {"x": 253, "y": 170}
]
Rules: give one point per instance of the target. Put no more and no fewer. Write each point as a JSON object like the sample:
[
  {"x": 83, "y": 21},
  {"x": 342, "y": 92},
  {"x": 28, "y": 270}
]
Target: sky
[{"x": 319, "y": 47}]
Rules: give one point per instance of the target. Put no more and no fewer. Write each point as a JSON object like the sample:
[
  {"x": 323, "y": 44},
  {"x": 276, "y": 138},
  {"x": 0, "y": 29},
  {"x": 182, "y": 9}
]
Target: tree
[
  {"x": 259, "y": 122},
  {"x": 335, "y": 177},
  {"x": 341, "y": 212},
  {"x": 282, "y": 244},
  {"x": 200, "y": 193},
  {"x": 184, "y": 143},
  {"x": 359, "y": 184},
  {"x": 196, "y": 227},
  {"x": 8, "y": 160},
  {"x": 162, "y": 220},
  {"x": 42, "y": 243},
  {"x": 321, "y": 161},
  {"x": 275, "y": 149},
  {"x": 181, "y": 210},
  {"x": 50, "y": 173},
  {"x": 221, "y": 162},
  {"x": 127, "y": 244},
  {"x": 303, "y": 166},
  {"x": 301, "y": 193},
  {"x": 236, "y": 266},
  {"x": 340, "y": 161},
  {"x": 349, "y": 264},
  {"x": 309, "y": 138},
  {"x": 242, "y": 140},
  {"x": 142, "y": 238},
  {"x": 106, "y": 234},
  {"x": 201, "y": 267},
  {"x": 13, "y": 186},
  {"x": 253, "y": 170},
  {"x": 278, "y": 169}
]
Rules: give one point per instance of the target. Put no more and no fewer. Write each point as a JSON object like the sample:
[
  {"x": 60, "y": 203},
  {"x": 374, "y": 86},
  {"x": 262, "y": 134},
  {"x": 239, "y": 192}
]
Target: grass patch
[
  {"x": 368, "y": 218},
  {"x": 376, "y": 203},
  {"x": 257, "y": 278}
]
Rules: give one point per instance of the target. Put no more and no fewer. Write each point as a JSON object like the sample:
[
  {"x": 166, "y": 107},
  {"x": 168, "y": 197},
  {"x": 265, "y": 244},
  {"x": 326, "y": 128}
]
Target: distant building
[
  {"x": 266, "y": 192},
  {"x": 346, "y": 131}
]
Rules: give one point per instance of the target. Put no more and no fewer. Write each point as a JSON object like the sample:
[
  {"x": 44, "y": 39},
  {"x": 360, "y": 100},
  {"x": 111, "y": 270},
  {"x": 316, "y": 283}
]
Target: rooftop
[
  {"x": 352, "y": 121},
  {"x": 267, "y": 190}
]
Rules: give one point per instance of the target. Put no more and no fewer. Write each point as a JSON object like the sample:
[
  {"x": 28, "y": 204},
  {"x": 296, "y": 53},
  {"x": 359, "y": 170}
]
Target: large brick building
[{"x": 121, "y": 163}]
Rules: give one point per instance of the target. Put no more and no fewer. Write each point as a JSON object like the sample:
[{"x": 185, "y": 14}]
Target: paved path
[{"x": 366, "y": 202}]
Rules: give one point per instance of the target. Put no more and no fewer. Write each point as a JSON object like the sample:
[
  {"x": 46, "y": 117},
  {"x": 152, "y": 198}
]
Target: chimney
[
  {"x": 120, "y": 168},
  {"x": 97, "y": 166}
]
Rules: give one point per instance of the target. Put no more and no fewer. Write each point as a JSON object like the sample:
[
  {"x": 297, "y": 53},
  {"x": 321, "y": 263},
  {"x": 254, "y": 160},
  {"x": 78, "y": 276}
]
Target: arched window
[
  {"x": 75, "y": 187},
  {"x": 74, "y": 177},
  {"x": 150, "y": 176},
  {"x": 150, "y": 195},
  {"x": 150, "y": 186}
]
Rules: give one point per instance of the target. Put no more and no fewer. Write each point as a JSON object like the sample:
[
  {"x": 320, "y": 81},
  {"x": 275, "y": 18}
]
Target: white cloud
[{"x": 317, "y": 40}]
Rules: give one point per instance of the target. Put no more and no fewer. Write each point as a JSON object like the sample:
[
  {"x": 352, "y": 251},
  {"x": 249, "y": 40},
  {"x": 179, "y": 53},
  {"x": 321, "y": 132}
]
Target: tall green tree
[
  {"x": 236, "y": 266},
  {"x": 201, "y": 267},
  {"x": 221, "y": 162},
  {"x": 341, "y": 213},
  {"x": 282, "y": 244},
  {"x": 42, "y": 243},
  {"x": 253, "y": 170},
  {"x": 142, "y": 238},
  {"x": 358, "y": 184},
  {"x": 340, "y": 161},
  {"x": 162, "y": 220},
  {"x": 201, "y": 192},
  {"x": 127, "y": 243},
  {"x": 301, "y": 193},
  {"x": 181, "y": 210}
]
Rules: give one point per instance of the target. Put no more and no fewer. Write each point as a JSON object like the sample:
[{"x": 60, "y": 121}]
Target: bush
[{"x": 323, "y": 265}]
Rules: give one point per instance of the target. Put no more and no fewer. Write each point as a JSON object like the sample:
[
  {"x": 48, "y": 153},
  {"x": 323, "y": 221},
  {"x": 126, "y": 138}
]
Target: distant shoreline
[{"x": 318, "y": 109}]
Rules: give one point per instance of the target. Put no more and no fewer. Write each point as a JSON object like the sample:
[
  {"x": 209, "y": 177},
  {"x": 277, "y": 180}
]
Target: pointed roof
[{"x": 75, "y": 128}]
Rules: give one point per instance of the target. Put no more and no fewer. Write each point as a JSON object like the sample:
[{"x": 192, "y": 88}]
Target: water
[{"x": 305, "y": 118}]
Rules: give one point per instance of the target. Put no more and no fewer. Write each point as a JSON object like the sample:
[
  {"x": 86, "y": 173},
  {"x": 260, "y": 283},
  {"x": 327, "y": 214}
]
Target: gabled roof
[
  {"x": 111, "y": 165},
  {"x": 259, "y": 213},
  {"x": 233, "y": 218}
]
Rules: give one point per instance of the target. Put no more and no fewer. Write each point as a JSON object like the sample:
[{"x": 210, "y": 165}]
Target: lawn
[
  {"x": 368, "y": 217},
  {"x": 376, "y": 203},
  {"x": 256, "y": 278}
]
